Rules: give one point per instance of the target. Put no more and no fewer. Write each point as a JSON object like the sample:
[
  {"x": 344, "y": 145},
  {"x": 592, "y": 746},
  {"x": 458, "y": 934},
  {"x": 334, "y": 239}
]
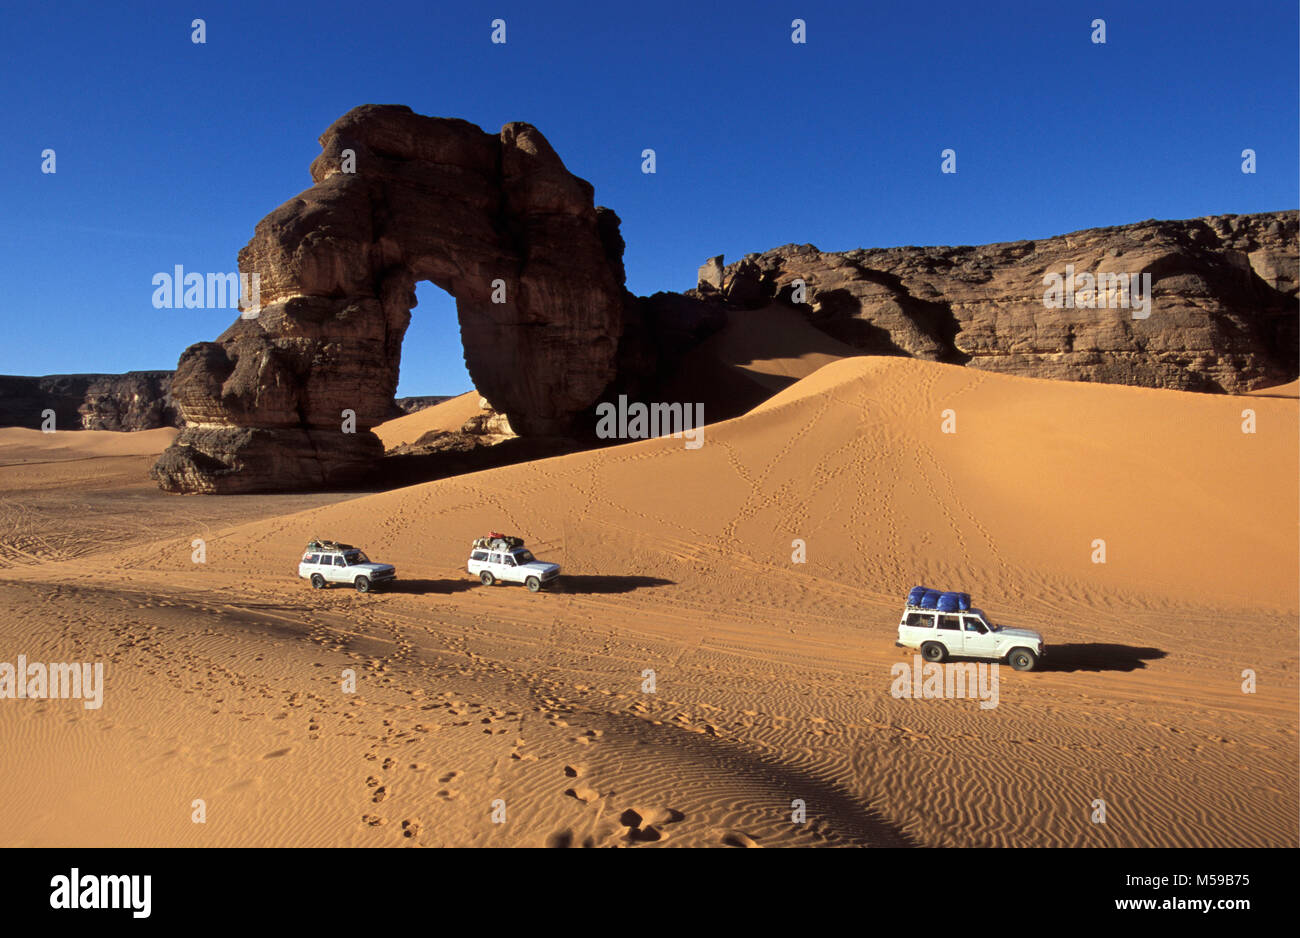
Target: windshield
[
  {"x": 522, "y": 557},
  {"x": 354, "y": 557}
]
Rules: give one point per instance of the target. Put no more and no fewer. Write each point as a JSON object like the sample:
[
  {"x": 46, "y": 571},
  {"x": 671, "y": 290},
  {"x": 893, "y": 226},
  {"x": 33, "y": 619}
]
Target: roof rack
[{"x": 317, "y": 543}]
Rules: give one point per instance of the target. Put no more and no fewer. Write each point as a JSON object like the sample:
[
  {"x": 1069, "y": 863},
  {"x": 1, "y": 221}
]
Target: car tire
[
  {"x": 1022, "y": 659},
  {"x": 363, "y": 584},
  {"x": 486, "y": 578},
  {"x": 934, "y": 651},
  {"x": 317, "y": 581},
  {"x": 533, "y": 584}
]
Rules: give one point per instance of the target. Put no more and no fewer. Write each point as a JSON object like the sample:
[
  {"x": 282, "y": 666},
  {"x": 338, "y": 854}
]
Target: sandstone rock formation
[
  {"x": 1223, "y": 315},
  {"x": 286, "y": 399},
  {"x": 137, "y": 400},
  {"x": 495, "y": 220}
]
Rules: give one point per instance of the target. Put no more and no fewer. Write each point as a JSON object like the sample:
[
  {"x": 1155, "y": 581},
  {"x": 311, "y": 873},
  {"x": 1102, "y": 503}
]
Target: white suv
[
  {"x": 968, "y": 633},
  {"x": 511, "y": 565},
  {"x": 330, "y": 562}
]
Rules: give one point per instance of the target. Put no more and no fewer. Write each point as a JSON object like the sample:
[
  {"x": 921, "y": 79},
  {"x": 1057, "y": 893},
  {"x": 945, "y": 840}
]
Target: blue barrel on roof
[
  {"x": 930, "y": 599},
  {"x": 915, "y": 594}
]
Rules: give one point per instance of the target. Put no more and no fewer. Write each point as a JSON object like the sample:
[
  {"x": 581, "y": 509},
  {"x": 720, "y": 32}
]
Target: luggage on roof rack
[
  {"x": 498, "y": 542},
  {"x": 320, "y": 544},
  {"x": 942, "y": 600}
]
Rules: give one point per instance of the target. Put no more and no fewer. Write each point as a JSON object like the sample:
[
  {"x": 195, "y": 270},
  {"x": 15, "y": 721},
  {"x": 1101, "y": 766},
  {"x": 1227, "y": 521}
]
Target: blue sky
[{"x": 170, "y": 152}]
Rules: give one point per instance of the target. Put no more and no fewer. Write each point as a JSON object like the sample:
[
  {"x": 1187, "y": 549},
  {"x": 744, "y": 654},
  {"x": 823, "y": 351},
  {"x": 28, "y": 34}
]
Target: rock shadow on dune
[
  {"x": 593, "y": 584},
  {"x": 1099, "y": 656}
]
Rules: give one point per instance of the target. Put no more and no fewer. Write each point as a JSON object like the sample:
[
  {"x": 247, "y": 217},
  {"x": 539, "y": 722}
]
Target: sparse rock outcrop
[
  {"x": 495, "y": 220},
  {"x": 1223, "y": 313},
  {"x": 137, "y": 400}
]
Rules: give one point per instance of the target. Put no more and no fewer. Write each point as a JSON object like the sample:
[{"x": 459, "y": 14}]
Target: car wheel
[
  {"x": 363, "y": 584},
  {"x": 1022, "y": 659},
  {"x": 486, "y": 578},
  {"x": 317, "y": 581},
  {"x": 934, "y": 651},
  {"x": 533, "y": 584}
]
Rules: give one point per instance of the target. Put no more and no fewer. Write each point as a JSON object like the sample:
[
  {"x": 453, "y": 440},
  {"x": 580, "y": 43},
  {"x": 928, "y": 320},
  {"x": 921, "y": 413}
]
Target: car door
[
  {"x": 949, "y": 632},
  {"x": 510, "y": 569},
  {"x": 977, "y": 640},
  {"x": 338, "y": 570}
]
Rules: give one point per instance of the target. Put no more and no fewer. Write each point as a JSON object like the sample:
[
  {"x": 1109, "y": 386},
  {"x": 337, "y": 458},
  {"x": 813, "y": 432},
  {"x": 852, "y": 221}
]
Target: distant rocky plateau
[
  {"x": 1222, "y": 317},
  {"x": 549, "y": 330}
]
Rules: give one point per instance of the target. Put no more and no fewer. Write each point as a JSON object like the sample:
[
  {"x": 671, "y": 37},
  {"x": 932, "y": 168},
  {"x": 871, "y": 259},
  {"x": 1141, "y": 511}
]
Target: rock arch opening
[{"x": 433, "y": 355}]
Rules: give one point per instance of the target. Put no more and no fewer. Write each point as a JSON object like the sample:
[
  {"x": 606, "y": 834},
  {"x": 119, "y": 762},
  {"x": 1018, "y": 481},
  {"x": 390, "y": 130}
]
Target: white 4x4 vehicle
[
  {"x": 506, "y": 560},
  {"x": 330, "y": 562},
  {"x": 968, "y": 634}
]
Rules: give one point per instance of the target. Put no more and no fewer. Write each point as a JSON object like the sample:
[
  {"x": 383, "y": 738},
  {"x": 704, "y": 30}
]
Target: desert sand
[
  {"x": 449, "y": 417},
  {"x": 223, "y": 679}
]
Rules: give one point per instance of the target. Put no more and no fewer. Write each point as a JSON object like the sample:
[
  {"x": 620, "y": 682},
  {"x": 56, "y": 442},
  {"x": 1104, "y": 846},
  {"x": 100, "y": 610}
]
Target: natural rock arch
[{"x": 486, "y": 218}]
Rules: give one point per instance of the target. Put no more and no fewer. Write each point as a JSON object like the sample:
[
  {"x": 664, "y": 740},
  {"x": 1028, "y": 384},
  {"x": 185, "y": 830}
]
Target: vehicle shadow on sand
[
  {"x": 607, "y": 584},
  {"x": 420, "y": 587},
  {"x": 1098, "y": 656}
]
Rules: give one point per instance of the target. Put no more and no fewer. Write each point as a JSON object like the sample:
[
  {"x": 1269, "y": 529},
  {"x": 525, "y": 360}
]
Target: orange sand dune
[
  {"x": 1290, "y": 390},
  {"x": 19, "y": 445},
  {"x": 449, "y": 416},
  {"x": 757, "y": 581}
]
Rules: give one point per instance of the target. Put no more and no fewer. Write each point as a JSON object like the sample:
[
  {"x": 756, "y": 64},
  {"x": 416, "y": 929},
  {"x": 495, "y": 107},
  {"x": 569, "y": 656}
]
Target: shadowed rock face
[
  {"x": 1222, "y": 318},
  {"x": 484, "y": 217},
  {"x": 137, "y": 400}
]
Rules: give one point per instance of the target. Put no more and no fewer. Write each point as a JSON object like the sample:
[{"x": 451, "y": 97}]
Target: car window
[
  {"x": 920, "y": 620},
  {"x": 479, "y": 555},
  {"x": 494, "y": 558},
  {"x": 340, "y": 562},
  {"x": 948, "y": 622},
  {"x": 310, "y": 558},
  {"x": 974, "y": 625},
  {"x": 510, "y": 561}
]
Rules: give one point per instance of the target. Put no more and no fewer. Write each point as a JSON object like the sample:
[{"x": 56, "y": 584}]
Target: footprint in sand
[
  {"x": 410, "y": 828},
  {"x": 449, "y": 777},
  {"x": 585, "y": 795},
  {"x": 380, "y": 794},
  {"x": 738, "y": 839}
]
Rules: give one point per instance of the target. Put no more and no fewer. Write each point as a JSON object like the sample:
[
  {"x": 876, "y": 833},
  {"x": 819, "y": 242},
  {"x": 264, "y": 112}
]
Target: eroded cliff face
[
  {"x": 495, "y": 220},
  {"x": 1222, "y": 315}
]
